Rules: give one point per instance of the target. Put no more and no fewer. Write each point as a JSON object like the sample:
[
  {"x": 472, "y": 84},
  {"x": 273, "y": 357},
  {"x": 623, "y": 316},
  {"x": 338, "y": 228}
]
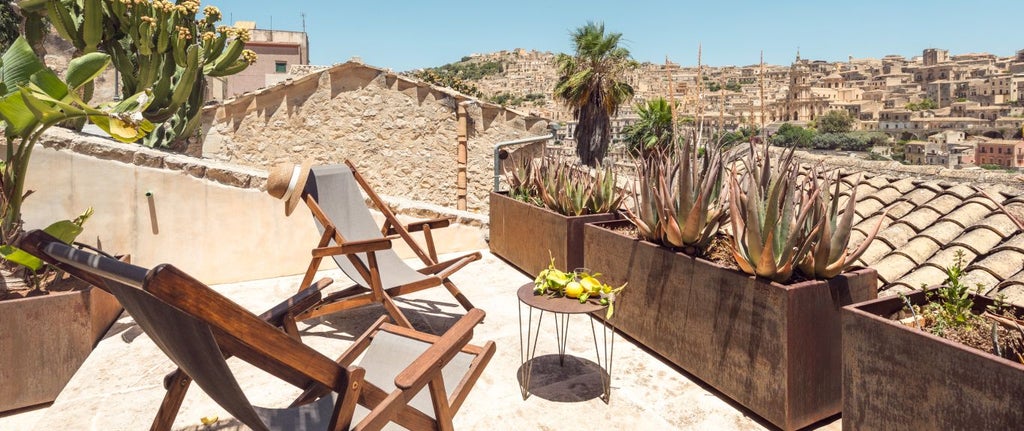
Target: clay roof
[{"x": 927, "y": 214}]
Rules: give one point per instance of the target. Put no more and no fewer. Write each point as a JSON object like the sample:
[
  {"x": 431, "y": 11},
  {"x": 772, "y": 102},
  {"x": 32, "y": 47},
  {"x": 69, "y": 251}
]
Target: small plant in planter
[
  {"x": 951, "y": 313},
  {"x": 544, "y": 212}
]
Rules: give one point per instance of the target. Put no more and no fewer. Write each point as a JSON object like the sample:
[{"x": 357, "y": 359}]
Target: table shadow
[{"x": 576, "y": 380}]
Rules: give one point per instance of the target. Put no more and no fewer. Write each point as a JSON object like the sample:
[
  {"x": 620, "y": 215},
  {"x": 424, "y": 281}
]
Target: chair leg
[
  {"x": 176, "y": 384},
  {"x": 394, "y": 312},
  {"x": 463, "y": 301}
]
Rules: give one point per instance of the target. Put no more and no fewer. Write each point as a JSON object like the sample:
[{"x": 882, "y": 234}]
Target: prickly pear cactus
[{"x": 158, "y": 45}]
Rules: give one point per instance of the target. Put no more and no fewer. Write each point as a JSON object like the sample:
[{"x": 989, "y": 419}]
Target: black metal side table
[{"x": 562, "y": 308}]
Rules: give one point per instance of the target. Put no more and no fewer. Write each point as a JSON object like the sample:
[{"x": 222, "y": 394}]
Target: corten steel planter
[
  {"x": 523, "y": 234},
  {"x": 46, "y": 338},
  {"x": 899, "y": 377},
  {"x": 775, "y": 349}
]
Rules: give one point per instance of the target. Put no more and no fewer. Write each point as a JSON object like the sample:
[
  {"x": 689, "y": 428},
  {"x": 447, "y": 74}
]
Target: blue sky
[{"x": 404, "y": 35}]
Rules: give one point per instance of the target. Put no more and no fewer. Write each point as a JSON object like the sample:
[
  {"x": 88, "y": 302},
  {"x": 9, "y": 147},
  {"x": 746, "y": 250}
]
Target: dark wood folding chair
[
  {"x": 363, "y": 251},
  {"x": 416, "y": 380}
]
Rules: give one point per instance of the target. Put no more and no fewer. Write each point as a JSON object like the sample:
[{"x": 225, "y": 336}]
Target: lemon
[{"x": 573, "y": 289}]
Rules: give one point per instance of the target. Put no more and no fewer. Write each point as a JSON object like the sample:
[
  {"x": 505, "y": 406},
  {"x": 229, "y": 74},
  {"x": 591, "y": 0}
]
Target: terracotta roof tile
[
  {"x": 897, "y": 234},
  {"x": 943, "y": 231},
  {"x": 979, "y": 276},
  {"x": 885, "y": 196},
  {"x": 1014, "y": 293},
  {"x": 961, "y": 191},
  {"x": 919, "y": 249},
  {"x": 944, "y": 203},
  {"x": 945, "y": 257},
  {"x": 875, "y": 252},
  {"x": 877, "y": 182},
  {"x": 979, "y": 239},
  {"x": 924, "y": 275},
  {"x": 866, "y": 208},
  {"x": 900, "y": 208},
  {"x": 968, "y": 213},
  {"x": 893, "y": 267},
  {"x": 920, "y": 195},
  {"x": 921, "y": 218},
  {"x": 1002, "y": 264},
  {"x": 904, "y": 185}
]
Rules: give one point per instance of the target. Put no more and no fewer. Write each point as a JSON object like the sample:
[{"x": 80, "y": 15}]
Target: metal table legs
[{"x": 528, "y": 347}]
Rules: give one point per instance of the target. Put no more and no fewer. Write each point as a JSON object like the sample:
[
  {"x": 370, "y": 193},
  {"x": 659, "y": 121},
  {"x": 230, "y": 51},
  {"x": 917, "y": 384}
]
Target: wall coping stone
[{"x": 223, "y": 173}]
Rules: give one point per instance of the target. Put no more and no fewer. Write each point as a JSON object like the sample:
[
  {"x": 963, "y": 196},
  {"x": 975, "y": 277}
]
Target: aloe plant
[
  {"x": 680, "y": 199},
  {"x": 575, "y": 190},
  {"x": 158, "y": 45},
  {"x": 34, "y": 99},
  {"x": 770, "y": 205},
  {"x": 829, "y": 255}
]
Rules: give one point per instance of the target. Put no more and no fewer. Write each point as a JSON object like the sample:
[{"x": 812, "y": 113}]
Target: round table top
[{"x": 556, "y": 304}]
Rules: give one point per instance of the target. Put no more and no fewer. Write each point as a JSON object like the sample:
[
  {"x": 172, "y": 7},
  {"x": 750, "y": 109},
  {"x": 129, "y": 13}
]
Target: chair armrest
[
  {"x": 351, "y": 247},
  {"x": 297, "y": 303},
  {"x": 436, "y": 223},
  {"x": 430, "y": 363}
]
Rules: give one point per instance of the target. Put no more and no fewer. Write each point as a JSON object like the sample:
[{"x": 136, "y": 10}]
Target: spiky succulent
[
  {"x": 829, "y": 255},
  {"x": 680, "y": 200},
  {"x": 574, "y": 190},
  {"x": 770, "y": 205}
]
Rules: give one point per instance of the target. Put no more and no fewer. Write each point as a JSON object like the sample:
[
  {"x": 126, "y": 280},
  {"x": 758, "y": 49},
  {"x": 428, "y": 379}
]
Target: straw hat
[{"x": 287, "y": 181}]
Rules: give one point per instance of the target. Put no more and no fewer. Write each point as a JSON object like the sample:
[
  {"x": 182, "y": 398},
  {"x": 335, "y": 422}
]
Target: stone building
[
  {"x": 1001, "y": 152},
  {"x": 277, "y": 52},
  {"x": 376, "y": 119}
]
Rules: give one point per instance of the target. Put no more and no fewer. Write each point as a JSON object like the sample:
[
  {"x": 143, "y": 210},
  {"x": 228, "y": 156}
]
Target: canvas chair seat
[
  {"x": 197, "y": 328},
  {"x": 362, "y": 249},
  {"x": 335, "y": 189}
]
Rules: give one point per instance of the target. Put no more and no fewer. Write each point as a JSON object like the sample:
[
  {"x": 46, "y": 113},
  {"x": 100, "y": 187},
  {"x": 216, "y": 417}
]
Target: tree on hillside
[
  {"x": 653, "y": 128},
  {"x": 790, "y": 135},
  {"x": 835, "y": 122},
  {"x": 592, "y": 83}
]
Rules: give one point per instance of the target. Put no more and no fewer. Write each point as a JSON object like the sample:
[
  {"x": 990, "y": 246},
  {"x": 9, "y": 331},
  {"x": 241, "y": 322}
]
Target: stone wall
[
  {"x": 212, "y": 219},
  {"x": 400, "y": 133}
]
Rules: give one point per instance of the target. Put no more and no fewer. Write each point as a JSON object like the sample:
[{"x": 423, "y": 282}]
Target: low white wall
[{"x": 210, "y": 219}]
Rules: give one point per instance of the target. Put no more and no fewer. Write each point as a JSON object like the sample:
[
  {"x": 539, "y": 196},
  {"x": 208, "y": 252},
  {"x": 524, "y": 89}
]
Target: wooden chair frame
[
  {"x": 256, "y": 340},
  {"x": 392, "y": 229}
]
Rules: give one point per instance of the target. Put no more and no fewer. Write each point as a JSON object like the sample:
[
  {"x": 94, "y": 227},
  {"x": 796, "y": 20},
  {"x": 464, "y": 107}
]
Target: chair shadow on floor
[{"x": 576, "y": 380}]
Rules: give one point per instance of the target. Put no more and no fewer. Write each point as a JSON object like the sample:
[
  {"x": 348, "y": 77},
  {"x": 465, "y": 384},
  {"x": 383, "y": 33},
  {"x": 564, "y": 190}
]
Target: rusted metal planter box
[
  {"x": 898, "y": 377},
  {"x": 523, "y": 234},
  {"x": 774, "y": 349},
  {"x": 46, "y": 338}
]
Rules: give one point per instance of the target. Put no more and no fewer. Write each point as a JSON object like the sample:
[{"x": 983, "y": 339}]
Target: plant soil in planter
[
  {"x": 899, "y": 377},
  {"x": 776, "y": 349},
  {"x": 46, "y": 338},
  {"x": 524, "y": 234}
]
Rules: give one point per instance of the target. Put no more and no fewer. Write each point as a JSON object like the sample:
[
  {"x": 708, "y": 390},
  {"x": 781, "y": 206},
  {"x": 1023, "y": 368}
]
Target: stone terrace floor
[{"x": 119, "y": 386}]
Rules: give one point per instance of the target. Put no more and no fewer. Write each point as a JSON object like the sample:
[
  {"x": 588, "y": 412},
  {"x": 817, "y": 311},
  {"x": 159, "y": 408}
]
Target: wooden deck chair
[
  {"x": 416, "y": 380},
  {"x": 361, "y": 249}
]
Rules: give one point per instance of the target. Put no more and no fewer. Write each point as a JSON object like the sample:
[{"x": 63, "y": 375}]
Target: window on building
[{"x": 281, "y": 66}]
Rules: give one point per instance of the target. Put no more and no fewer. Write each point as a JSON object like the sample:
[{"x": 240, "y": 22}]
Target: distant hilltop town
[{"x": 916, "y": 100}]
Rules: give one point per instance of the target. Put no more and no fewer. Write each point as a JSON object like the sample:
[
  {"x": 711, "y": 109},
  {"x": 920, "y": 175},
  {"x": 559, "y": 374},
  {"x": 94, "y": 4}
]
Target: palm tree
[
  {"x": 653, "y": 129},
  {"x": 592, "y": 83}
]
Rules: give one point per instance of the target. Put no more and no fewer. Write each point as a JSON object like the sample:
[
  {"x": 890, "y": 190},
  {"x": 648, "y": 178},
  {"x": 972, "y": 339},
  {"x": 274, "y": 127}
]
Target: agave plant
[
  {"x": 522, "y": 181},
  {"x": 769, "y": 214},
  {"x": 829, "y": 256},
  {"x": 574, "y": 190},
  {"x": 680, "y": 201}
]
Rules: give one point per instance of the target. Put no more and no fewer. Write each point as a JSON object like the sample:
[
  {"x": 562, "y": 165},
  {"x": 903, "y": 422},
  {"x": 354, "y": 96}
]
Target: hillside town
[{"x": 951, "y": 110}]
